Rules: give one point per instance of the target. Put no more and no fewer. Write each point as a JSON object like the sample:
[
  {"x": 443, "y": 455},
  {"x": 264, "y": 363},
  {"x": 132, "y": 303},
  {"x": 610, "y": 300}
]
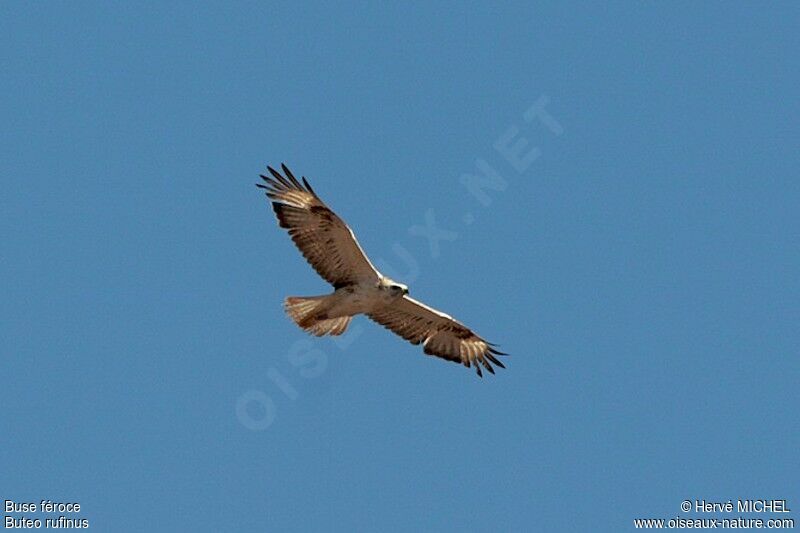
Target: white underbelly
[{"x": 353, "y": 300}]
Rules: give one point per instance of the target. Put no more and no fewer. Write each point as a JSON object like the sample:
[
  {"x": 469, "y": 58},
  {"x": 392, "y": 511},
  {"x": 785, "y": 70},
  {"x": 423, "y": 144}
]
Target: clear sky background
[{"x": 641, "y": 266}]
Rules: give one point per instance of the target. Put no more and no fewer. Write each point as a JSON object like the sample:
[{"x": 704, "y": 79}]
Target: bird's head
[{"x": 391, "y": 286}]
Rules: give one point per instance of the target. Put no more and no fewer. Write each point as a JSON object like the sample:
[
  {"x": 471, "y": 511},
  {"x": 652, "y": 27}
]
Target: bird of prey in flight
[{"x": 330, "y": 246}]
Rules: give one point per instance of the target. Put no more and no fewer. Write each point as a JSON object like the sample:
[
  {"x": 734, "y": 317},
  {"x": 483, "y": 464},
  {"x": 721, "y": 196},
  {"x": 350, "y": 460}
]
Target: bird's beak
[{"x": 405, "y": 291}]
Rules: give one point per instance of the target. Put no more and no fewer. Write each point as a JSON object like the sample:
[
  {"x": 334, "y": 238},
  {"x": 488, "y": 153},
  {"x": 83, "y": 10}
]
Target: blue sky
[{"x": 640, "y": 262}]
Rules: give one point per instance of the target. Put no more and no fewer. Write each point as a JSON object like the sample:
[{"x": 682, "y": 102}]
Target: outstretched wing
[
  {"x": 440, "y": 334},
  {"x": 323, "y": 238}
]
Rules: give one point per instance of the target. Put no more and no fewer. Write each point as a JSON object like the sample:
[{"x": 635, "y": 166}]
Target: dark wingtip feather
[
  {"x": 494, "y": 359},
  {"x": 493, "y": 348},
  {"x": 269, "y": 181},
  {"x": 308, "y": 186},
  {"x": 277, "y": 175},
  {"x": 291, "y": 176}
]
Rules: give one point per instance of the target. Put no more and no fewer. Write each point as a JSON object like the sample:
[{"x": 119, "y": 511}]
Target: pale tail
[{"x": 304, "y": 311}]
